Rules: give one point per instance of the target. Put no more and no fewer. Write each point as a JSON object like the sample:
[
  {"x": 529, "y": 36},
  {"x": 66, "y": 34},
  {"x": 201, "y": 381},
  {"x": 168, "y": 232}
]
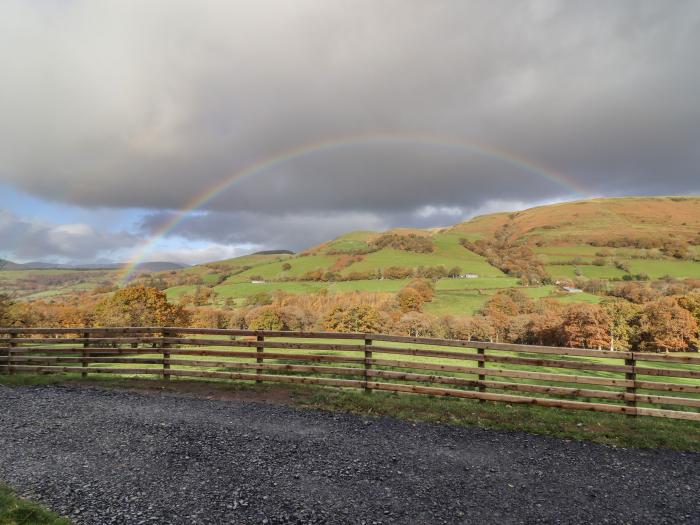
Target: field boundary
[{"x": 564, "y": 378}]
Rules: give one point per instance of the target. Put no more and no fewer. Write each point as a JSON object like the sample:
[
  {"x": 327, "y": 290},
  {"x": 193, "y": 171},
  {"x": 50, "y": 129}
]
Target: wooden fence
[{"x": 632, "y": 383}]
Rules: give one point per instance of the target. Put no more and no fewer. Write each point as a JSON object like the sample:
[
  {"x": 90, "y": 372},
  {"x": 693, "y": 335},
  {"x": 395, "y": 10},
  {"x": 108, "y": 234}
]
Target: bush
[{"x": 397, "y": 272}]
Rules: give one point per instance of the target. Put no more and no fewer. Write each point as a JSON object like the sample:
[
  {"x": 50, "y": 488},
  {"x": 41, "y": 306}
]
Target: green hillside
[{"x": 600, "y": 239}]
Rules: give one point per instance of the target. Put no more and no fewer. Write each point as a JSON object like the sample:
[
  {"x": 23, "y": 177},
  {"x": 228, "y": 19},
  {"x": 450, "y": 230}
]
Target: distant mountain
[
  {"x": 274, "y": 252},
  {"x": 158, "y": 266},
  {"x": 151, "y": 266}
]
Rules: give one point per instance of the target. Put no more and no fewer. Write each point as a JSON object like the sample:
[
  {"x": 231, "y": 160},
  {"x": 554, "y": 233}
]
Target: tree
[
  {"x": 265, "y": 318},
  {"x": 666, "y": 326},
  {"x": 360, "y": 318},
  {"x": 139, "y": 306},
  {"x": 259, "y": 299},
  {"x": 479, "y": 329},
  {"x": 691, "y": 302},
  {"x": 501, "y": 304},
  {"x": 585, "y": 325},
  {"x": 415, "y": 324},
  {"x": 424, "y": 288},
  {"x": 623, "y": 322},
  {"x": 410, "y": 300},
  {"x": 286, "y": 267},
  {"x": 455, "y": 271},
  {"x": 397, "y": 272},
  {"x": 208, "y": 318},
  {"x": 5, "y": 307}
]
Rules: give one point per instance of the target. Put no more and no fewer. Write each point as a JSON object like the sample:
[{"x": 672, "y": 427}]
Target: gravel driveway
[{"x": 110, "y": 456}]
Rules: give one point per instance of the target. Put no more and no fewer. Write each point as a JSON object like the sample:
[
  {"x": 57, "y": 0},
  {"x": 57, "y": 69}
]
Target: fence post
[
  {"x": 260, "y": 358},
  {"x": 368, "y": 361},
  {"x": 481, "y": 364},
  {"x": 632, "y": 376},
  {"x": 5, "y": 352},
  {"x": 85, "y": 362},
  {"x": 166, "y": 354},
  {"x": 10, "y": 368}
]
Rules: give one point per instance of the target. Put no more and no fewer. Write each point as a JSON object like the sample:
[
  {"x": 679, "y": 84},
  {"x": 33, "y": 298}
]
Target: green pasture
[
  {"x": 656, "y": 269},
  {"x": 589, "y": 271},
  {"x": 274, "y": 271},
  {"x": 247, "y": 289},
  {"x": 451, "y": 302}
]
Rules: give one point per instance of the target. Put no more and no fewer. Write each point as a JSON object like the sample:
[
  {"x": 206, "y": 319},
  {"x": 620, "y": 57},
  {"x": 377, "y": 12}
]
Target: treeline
[
  {"x": 516, "y": 260},
  {"x": 661, "y": 323},
  {"x": 391, "y": 272},
  {"x": 408, "y": 243}
]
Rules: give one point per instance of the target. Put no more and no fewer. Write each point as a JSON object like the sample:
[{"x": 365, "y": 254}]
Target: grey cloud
[
  {"x": 262, "y": 231},
  {"x": 23, "y": 239},
  {"x": 147, "y": 104}
]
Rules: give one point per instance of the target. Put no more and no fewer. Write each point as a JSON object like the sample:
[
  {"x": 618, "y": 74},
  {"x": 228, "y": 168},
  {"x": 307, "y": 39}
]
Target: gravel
[{"x": 106, "y": 456}]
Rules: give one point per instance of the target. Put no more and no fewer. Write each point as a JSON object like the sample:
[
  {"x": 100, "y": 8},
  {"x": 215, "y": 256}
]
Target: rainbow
[{"x": 287, "y": 155}]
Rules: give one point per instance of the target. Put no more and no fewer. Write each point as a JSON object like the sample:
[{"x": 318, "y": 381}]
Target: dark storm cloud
[
  {"x": 297, "y": 231},
  {"x": 147, "y": 104}
]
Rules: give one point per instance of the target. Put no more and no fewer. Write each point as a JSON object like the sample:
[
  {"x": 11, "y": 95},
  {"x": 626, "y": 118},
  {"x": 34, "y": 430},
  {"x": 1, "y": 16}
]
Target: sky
[{"x": 196, "y": 131}]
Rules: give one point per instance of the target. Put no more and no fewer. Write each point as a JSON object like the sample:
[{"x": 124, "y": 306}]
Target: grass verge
[
  {"x": 609, "y": 429},
  {"x": 19, "y": 511}
]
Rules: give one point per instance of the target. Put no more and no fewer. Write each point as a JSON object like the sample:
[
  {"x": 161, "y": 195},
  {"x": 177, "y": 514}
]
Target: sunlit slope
[
  {"x": 333, "y": 257},
  {"x": 602, "y": 238},
  {"x": 595, "y": 221}
]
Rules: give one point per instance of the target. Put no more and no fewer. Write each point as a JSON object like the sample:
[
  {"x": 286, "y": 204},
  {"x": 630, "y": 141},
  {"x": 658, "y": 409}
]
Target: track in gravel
[{"x": 109, "y": 456}]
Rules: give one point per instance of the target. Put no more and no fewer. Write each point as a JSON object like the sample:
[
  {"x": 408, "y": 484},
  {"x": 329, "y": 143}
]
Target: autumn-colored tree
[
  {"x": 286, "y": 267},
  {"x": 202, "y": 295},
  {"x": 507, "y": 304},
  {"x": 397, "y": 272},
  {"x": 666, "y": 326},
  {"x": 410, "y": 300},
  {"x": 208, "y": 318},
  {"x": 415, "y": 324},
  {"x": 691, "y": 302},
  {"x": 623, "y": 322},
  {"x": 638, "y": 293},
  {"x": 265, "y": 318},
  {"x": 586, "y": 326},
  {"x": 354, "y": 319},
  {"x": 139, "y": 306},
  {"x": 5, "y": 305},
  {"x": 424, "y": 288},
  {"x": 259, "y": 299},
  {"x": 480, "y": 328}
]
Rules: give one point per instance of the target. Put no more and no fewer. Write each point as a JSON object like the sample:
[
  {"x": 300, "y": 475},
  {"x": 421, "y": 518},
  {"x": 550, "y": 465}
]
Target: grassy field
[
  {"x": 662, "y": 268},
  {"x": 592, "y": 272},
  {"x": 18, "y": 511}
]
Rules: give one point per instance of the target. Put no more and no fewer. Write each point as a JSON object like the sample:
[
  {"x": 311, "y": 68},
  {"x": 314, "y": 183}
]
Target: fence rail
[{"x": 631, "y": 383}]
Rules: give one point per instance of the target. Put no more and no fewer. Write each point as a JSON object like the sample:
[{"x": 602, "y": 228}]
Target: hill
[
  {"x": 629, "y": 220},
  {"x": 609, "y": 239},
  {"x": 150, "y": 266}
]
